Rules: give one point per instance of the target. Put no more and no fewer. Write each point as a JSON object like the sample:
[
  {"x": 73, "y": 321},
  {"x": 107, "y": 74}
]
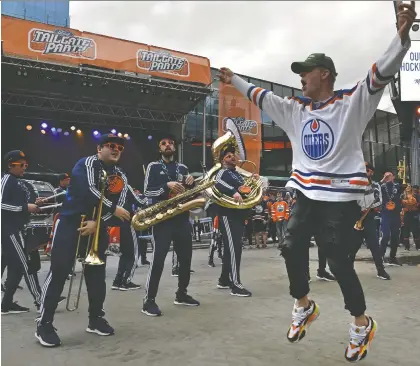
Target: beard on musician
[{"x": 85, "y": 197}]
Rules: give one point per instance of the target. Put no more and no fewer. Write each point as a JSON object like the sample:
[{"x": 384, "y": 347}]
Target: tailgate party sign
[{"x": 44, "y": 42}]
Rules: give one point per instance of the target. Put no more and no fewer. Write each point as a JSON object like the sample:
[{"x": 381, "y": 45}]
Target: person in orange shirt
[{"x": 280, "y": 215}]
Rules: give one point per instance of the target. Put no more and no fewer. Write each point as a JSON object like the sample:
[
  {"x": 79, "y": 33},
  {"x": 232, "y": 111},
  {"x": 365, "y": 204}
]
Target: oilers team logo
[{"x": 317, "y": 139}]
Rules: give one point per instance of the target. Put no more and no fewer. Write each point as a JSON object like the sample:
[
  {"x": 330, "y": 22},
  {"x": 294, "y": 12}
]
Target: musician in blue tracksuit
[
  {"x": 83, "y": 196},
  {"x": 390, "y": 215},
  {"x": 231, "y": 222},
  {"x": 165, "y": 179},
  {"x": 15, "y": 211},
  {"x": 128, "y": 242}
]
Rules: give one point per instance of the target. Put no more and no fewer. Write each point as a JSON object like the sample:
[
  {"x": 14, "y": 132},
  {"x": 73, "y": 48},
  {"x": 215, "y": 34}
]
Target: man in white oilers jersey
[{"x": 325, "y": 130}]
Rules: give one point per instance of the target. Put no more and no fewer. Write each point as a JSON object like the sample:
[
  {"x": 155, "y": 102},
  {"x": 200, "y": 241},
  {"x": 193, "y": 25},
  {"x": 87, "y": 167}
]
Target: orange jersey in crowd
[
  {"x": 280, "y": 211},
  {"x": 216, "y": 223}
]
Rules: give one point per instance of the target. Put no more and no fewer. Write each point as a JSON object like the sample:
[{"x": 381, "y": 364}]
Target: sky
[{"x": 259, "y": 39}]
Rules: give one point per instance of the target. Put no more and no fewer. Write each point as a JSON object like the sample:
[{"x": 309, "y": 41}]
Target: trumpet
[
  {"x": 91, "y": 257},
  {"x": 402, "y": 171},
  {"x": 359, "y": 223}
]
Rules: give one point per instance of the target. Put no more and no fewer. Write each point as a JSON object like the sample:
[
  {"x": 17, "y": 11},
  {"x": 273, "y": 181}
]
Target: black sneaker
[
  {"x": 3, "y": 289},
  {"x": 192, "y": 271},
  {"x": 187, "y": 300},
  {"x": 150, "y": 308},
  {"x": 394, "y": 262},
  {"x": 119, "y": 286},
  {"x": 383, "y": 275},
  {"x": 325, "y": 276},
  {"x": 99, "y": 326},
  {"x": 15, "y": 308},
  {"x": 47, "y": 335},
  {"x": 175, "y": 272},
  {"x": 211, "y": 263},
  {"x": 131, "y": 286},
  {"x": 241, "y": 292},
  {"x": 61, "y": 299},
  {"x": 224, "y": 285},
  {"x": 145, "y": 262}
]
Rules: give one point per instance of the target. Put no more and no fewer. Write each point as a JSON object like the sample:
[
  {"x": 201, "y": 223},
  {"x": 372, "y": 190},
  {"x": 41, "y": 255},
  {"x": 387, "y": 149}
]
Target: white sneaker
[
  {"x": 301, "y": 320},
  {"x": 360, "y": 340}
]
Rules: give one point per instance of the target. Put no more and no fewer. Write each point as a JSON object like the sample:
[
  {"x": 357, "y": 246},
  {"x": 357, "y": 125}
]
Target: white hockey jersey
[{"x": 326, "y": 138}]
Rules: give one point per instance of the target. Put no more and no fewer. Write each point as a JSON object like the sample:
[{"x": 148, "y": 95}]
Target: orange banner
[
  {"x": 65, "y": 45},
  {"x": 247, "y": 117}
]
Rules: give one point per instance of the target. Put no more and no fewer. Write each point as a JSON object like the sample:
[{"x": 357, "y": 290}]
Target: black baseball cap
[
  {"x": 63, "y": 176},
  {"x": 110, "y": 137},
  {"x": 312, "y": 61},
  {"x": 369, "y": 166},
  {"x": 14, "y": 156},
  {"x": 167, "y": 136}
]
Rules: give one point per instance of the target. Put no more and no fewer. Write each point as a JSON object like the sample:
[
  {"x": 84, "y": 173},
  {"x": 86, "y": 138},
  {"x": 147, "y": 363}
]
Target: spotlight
[
  {"x": 66, "y": 133},
  {"x": 43, "y": 132},
  {"x": 150, "y": 137},
  {"x": 114, "y": 131},
  {"x": 126, "y": 136},
  {"x": 29, "y": 127},
  {"x": 79, "y": 132},
  {"x": 59, "y": 130},
  {"x": 72, "y": 128},
  {"x": 95, "y": 133},
  {"x": 44, "y": 125},
  {"x": 415, "y": 27},
  {"x": 418, "y": 110},
  {"x": 53, "y": 130},
  {"x": 119, "y": 134}
]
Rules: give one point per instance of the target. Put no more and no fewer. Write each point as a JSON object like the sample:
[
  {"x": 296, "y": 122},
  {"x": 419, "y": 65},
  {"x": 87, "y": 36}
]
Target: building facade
[
  {"x": 382, "y": 141},
  {"x": 44, "y": 11}
]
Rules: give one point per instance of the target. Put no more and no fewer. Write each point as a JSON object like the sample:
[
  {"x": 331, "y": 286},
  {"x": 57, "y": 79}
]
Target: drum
[{"x": 39, "y": 227}]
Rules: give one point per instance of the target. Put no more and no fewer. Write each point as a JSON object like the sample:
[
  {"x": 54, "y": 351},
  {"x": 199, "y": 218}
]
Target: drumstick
[
  {"x": 53, "y": 196},
  {"x": 51, "y": 206}
]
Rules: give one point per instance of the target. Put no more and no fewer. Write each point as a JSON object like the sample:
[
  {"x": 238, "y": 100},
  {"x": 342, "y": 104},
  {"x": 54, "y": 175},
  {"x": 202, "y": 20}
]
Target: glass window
[
  {"x": 278, "y": 90},
  {"x": 370, "y": 132},
  {"x": 366, "y": 151},
  {"x": 256, "y": 82},
  {"x": 391, "y": 158},
  {"x": 265, "y": 85},
  {"x": 287, "y": 91},
  {"x": 395, "y": 129},
  {"x": 266, "y": 119},
  {"x": 378, "y": 158},
  {"x": 382, "y": 126},
  {"x": 298, "y": 93}
]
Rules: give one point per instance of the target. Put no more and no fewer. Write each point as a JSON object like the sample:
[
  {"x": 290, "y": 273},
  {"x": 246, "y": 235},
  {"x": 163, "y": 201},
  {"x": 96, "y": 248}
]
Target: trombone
[{"x": 91, "y": 257}]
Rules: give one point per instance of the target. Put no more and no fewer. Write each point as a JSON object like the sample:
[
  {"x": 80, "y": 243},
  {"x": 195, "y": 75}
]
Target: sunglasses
[
  {"x": 113, "y": 146},
  {"x": 164, "y": 143},
  {"x": 22, "y": 165}
]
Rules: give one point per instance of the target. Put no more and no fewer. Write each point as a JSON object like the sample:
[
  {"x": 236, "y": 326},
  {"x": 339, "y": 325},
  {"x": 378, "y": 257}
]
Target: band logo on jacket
[
  {"x": 115, "y": 184},
  {"x": 317, "y": 139}
]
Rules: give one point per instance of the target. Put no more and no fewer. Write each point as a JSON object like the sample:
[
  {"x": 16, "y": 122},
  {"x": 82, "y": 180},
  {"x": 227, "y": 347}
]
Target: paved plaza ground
[{"x": 226, "y": 330}]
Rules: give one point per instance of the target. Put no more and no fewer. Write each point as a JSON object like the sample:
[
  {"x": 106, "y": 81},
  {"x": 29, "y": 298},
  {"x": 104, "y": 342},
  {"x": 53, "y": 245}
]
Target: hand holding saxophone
[
  {"x": 87, "y": 228},
  {"x": 122, "y": 214},
  {"x": 176, "y": 187},
  {"x": 237, "y": 197},
  {"x": 189, "y": 180}
]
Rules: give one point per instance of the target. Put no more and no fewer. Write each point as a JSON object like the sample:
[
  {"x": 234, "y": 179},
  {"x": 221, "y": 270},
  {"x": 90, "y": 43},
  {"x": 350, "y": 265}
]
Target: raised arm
[
  {"x": 279, "y": 109},
  {"x": 368, "y": 92}
]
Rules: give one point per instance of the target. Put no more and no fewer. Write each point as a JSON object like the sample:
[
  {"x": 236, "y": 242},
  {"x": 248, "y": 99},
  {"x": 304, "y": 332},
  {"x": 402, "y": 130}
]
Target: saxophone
[{"x": 164, "y": 210}]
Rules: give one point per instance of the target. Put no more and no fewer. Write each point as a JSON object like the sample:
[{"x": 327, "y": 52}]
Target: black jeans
[
  {"x": 177, "y": 229},
  {"x": 332, "y": 223},
  {"x": 62, "y": 258},
  {"x": 369, "y": 233}
]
